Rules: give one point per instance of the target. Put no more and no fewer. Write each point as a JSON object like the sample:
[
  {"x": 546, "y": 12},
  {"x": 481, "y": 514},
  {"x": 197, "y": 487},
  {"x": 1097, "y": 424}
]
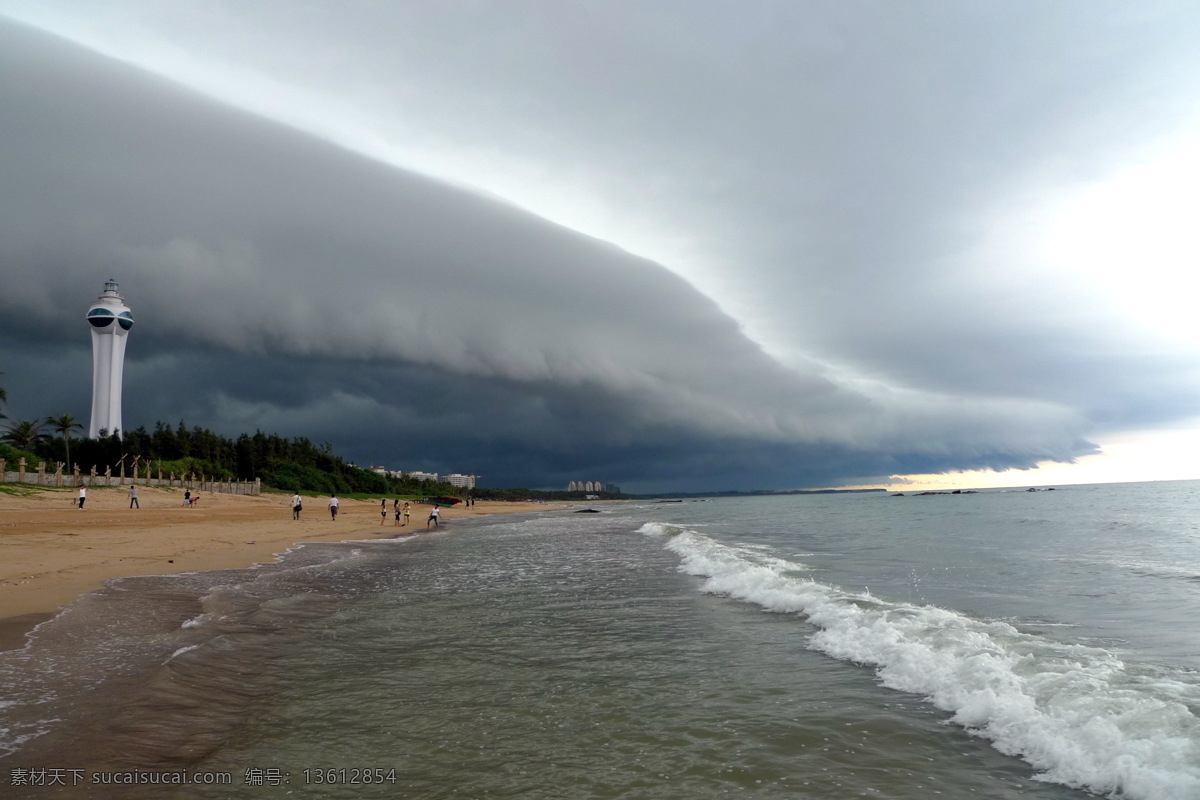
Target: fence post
[
  {"x": 41, "y": 473},
  {"x": 21, "y": 470}
]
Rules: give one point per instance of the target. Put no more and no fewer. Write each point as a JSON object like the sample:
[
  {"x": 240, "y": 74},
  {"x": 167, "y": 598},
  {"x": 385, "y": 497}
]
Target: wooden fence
[{"x": 140, "y": 475}]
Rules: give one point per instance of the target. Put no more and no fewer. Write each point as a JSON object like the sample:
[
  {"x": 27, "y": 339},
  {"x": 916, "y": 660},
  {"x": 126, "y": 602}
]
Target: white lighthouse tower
[{"x": 111, "y": 320}]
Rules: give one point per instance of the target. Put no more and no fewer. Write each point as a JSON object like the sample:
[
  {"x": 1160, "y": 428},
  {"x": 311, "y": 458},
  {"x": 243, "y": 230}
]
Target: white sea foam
[
  {"x": 181, "y": 651},
  {"x": 11, "y": 742},
  {"x": 1080, "y": 715},
  {"x": 197, "y": 621}
]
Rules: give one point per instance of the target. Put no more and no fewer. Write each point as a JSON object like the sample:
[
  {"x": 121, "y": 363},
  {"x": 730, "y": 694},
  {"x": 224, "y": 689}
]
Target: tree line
[{"x": 294, "y": 465}]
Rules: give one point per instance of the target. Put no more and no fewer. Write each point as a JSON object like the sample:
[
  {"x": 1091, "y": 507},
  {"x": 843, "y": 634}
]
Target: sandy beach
[{"x": 53, "y": 552}]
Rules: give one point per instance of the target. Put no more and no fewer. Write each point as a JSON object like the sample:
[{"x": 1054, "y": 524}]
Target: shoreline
[{"x": 55, "y": 552}]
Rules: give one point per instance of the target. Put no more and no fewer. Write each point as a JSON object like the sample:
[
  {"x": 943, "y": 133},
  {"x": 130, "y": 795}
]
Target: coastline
[{"x": 55, "y": 552}]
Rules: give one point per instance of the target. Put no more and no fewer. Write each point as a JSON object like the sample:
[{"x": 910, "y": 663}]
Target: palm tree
[
  {"x": 24, "y": 435},
  {"x": 64, "y": 424}
]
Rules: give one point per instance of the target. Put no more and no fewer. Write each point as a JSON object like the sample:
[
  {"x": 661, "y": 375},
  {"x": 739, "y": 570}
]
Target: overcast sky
[{"x": 669, "y": 245}]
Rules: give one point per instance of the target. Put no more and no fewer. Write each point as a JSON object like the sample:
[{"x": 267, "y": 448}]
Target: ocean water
[{"x": 994, "y": 645}]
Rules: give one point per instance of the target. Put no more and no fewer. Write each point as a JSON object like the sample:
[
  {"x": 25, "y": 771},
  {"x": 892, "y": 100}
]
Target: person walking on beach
[
  {"x": 133, "y": 501},
  {"x": 382, "y": 511},
  {"x": 82, "y": 496},
  {"x": 296, "y": 506},
  {"x": 396, "y": 509},
  {"x": 406, "y": 510},
  {"x": 333, "y": 507},
  {"x": 434, "y": 513}
]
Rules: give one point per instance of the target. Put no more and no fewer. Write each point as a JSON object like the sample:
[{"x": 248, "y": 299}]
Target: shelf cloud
[{"x": 831, "y": 331}]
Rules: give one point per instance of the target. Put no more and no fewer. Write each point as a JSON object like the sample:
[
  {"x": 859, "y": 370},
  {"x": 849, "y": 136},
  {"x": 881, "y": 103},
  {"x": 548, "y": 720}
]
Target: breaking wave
[{"x": 1080, "y": 715}]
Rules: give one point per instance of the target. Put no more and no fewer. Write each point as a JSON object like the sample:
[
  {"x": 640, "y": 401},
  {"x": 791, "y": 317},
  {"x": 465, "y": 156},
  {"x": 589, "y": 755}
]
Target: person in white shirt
[
  {"x": 433, "y": 517},
  {"x": 333, "y": 507},
  {"x": 82, "y": 495},
  {"x": 296, "y": 506}
]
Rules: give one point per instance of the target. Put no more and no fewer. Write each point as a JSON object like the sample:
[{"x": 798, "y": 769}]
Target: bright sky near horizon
[
  {"x": 945, "y": 242},
  {"x": 1146, "y": 456}
]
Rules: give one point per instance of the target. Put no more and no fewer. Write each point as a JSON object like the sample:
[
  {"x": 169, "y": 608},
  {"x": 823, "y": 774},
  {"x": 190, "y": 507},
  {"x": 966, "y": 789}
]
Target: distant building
[
  {"x": 461, "y": 481},
  {"x": 593, "y": 487},
  {"x": 454, "y": 478}
]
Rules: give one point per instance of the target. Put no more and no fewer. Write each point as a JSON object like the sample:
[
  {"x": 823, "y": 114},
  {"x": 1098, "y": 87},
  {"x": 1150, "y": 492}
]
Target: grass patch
[{"x": 27, "y": 490}]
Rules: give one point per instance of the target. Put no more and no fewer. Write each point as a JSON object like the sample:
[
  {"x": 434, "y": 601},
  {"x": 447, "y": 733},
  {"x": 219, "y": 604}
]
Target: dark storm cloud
[{"x": 283, "y": 283}]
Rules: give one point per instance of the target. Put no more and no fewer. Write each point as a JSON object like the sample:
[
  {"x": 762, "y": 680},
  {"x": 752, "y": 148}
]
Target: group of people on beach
[
  {"x": 399, "y": 512},
  {"x": 188, "y": 498}
]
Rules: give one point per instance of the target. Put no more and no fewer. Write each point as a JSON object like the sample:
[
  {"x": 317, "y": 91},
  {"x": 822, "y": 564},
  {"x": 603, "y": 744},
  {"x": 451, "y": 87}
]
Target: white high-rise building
[
  {"x": 111, "y": 320},
  {"x": 459, "y": 480}
]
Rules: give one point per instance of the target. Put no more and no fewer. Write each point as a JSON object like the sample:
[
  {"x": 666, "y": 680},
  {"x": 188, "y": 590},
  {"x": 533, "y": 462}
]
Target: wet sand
[{"x": 51, "y": 552}]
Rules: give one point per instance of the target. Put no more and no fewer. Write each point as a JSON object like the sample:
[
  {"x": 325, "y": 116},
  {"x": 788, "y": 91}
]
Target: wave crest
[{"x": 1079, "y": 715}]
